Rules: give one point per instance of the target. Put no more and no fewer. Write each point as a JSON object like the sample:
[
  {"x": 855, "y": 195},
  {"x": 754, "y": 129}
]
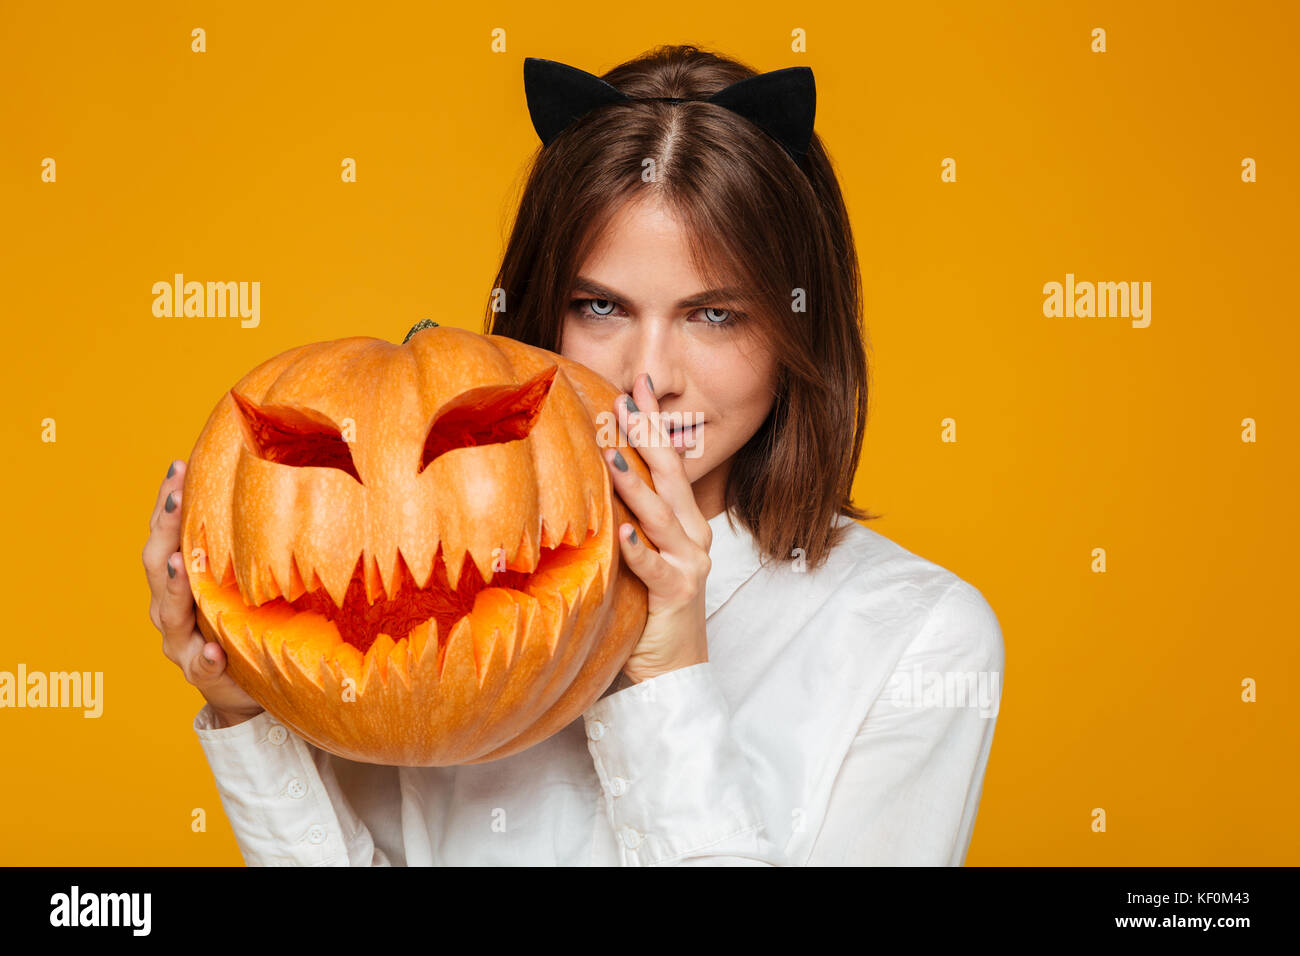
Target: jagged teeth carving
[
  {"x": 260, "y": 583},
  {"x": 482, "y": 561},
  {"x": 500, "y": 629},
  {"x": 483, "y": 645},
  {"x": 263, "y": 585},
  {"x": 373, "y": 580},
  {"x": 296, "y": 586}
]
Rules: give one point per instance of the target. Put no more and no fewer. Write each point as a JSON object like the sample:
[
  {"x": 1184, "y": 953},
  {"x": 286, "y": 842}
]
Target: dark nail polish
[
  {"x": 649, "y": 384},
  {"x": 171, "y": 571},
  {"x": 171, "y": 503},
  {"x": 619, "y": 461},
  {"x": 631, "y": 405},
  {"x": 171, "y": 469},
  {"x": 632, "y": 536}
]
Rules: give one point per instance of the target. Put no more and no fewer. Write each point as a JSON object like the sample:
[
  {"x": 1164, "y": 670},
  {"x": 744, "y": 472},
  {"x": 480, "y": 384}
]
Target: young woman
[{"x": 697, "y": 253}]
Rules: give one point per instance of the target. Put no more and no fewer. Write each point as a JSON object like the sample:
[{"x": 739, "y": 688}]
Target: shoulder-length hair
[{"x": 756, "y": 221}]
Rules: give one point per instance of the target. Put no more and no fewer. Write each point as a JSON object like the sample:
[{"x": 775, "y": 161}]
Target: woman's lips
[{"x": 686, "y": 436}]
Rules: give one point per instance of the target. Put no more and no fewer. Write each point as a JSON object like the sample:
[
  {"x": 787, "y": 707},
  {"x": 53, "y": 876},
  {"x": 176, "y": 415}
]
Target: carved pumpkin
[{"x": 409, "y": 552}]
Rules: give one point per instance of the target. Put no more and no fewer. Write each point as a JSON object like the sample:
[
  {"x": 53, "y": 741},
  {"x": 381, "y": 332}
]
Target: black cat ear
[
  {"x": 782, "y": 103},
  {"x": 558, "y": 94}
]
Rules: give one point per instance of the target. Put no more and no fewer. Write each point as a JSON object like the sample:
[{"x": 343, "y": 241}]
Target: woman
[{"x": 699, "y": 256}]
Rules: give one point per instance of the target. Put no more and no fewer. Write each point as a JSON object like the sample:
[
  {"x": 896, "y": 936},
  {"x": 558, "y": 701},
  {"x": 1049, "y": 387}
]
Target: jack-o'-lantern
[{"x": 410, "y": 552}]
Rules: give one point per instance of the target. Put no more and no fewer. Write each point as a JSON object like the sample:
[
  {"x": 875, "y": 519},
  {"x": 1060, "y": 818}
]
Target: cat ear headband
[{"x": 782, "y": 103}]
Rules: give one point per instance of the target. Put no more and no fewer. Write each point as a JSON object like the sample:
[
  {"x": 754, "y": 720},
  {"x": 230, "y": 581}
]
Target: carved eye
[
  {"x": 294, "y": 436},
  {"x": 487, "y": 415}
]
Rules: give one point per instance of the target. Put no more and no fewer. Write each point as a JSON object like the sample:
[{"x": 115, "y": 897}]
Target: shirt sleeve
[
  {"x": 284, "y": 799},
  {"x": 910, "y": 785},
  {"x": 678, "y": 790}
]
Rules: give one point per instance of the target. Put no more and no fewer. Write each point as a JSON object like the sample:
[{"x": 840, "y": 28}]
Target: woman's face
[{"x": 639, "y": 306}]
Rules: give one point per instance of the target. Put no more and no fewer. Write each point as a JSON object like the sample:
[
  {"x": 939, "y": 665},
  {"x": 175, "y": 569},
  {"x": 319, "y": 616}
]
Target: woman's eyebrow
[{"x": 583, "y": 284}]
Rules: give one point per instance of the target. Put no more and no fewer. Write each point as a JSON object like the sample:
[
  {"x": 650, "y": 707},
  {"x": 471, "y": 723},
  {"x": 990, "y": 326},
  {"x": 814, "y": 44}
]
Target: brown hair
[{"x": 756, "y": 221}]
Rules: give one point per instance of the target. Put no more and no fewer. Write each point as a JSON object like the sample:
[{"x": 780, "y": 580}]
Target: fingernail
[
  {"x": 171, "y": 502},
  {"x": 208, "y": 659},
  {"x": 649, "y": 384},
  {"x": 632, "y": 536},
  {"x": 619, "y": 461},
  {"x": 171, "y": 469},
  {"x": 171, "y": 570},
  {"x": 631, "y": 405}
]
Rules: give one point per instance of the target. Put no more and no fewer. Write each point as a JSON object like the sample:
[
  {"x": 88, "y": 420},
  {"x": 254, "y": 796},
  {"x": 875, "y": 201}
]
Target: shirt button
[
  {"x": 595, "y": 730},
  {"x": 277, "y": 735},
  {"x": 297, "y": 789},
  {"x": 631, "y": 838},
  {"x": 618, "y": 786},
  {"x": 316, "y": 835}
]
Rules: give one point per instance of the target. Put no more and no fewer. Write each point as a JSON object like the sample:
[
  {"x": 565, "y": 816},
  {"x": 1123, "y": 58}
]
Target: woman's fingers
[
  {"x": 172, "y": 608},
  {"x": 164, "y": 531},
  {"x": 202, "y": 661},
  {"x": 173, "y": 482},
  {"x": 657, "y": 517},
  {"x": 661, "y": 578},
  {"x": 171, "y": 605},
  {"x": 181, "y": 638},
  {"x": 647, "y": 431}
]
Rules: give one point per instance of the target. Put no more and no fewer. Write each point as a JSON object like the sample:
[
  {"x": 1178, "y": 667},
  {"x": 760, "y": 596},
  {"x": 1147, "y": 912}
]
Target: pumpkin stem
[{"x": 422, "y": 324}]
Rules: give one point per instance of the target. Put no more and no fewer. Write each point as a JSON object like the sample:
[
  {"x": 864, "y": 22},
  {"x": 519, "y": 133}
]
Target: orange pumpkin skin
[{"x": 405, "y": 571}]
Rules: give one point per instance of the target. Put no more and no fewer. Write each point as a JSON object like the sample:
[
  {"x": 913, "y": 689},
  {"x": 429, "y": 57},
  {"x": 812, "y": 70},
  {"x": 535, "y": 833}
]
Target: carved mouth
[
  {"x": 364, "y": 632},
  {"x": 360, "y": 620}
]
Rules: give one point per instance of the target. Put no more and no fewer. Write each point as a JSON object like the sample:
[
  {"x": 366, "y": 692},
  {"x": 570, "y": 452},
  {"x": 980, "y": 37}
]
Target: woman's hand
[
  {"x": 171, "y": 608},
  {"x": 674, "y": 634}
]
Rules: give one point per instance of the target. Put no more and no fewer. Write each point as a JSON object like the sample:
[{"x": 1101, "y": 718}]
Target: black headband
[{"x": 781, "y": 103}]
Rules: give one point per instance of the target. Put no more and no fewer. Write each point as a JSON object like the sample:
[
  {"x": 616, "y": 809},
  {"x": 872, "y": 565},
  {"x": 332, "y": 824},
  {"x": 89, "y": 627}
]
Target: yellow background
[{"x": 1122, "y": 690}]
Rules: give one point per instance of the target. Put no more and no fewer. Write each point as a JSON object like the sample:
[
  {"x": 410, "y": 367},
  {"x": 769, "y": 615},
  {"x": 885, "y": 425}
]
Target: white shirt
[{"x": 816, "y": 734}]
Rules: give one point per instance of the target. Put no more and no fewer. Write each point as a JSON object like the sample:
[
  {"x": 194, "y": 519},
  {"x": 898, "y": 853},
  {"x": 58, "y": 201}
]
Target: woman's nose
[{"x": 656, "y": 355}]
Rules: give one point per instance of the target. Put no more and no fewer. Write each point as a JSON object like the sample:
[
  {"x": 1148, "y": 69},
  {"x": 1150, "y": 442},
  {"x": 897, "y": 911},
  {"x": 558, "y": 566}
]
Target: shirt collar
[{"x": 734, "y": 559}]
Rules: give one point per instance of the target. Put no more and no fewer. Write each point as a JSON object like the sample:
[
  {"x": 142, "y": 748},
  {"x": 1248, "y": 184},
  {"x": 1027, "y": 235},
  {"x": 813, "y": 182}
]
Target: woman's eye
[{"x": 603, "y": 308}]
